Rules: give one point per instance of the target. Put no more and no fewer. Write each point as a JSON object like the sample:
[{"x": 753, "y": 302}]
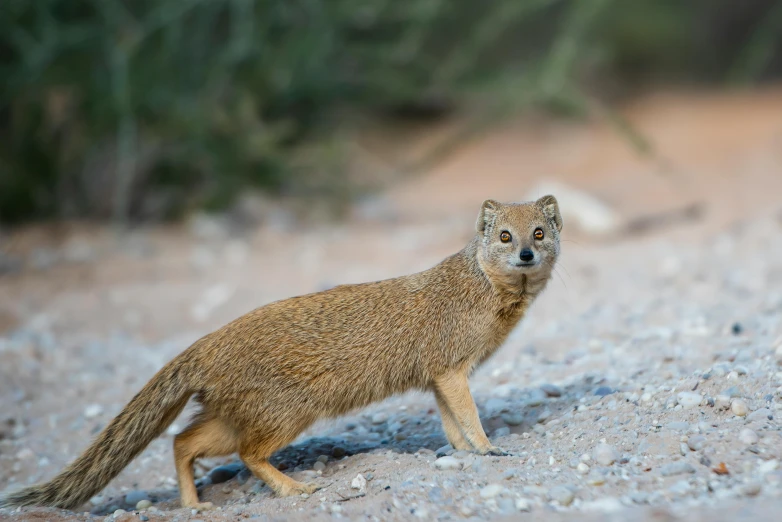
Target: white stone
[
  {"x": 359, "y": 483},
  {"x": 739, "y": 407},
  {"x": 605, "y": 454},
  {"x": 689, "y": 400},
  {"x": 445, "y": 463},
  {"x": 491, "y": 491}
]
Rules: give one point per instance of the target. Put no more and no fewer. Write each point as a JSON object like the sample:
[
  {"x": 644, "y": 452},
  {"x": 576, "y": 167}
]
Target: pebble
[
  {"x": 225, "y": 473},
  {"x": 318, "y": 466},
  {"x": 582, "y": 468},
  {"x": 379, "y": 418},
  {"x": 501, "y": 432},
  {"x": 722, "y": 402},
  {"x": 338, "y": 452},
  {"x": 359, "y": 483},
  {"x": 748, "y": 437},
  {"x": 512, "y": 419},
  {"x": 143, "y": 518},
  {"x": 750, "y": 489},
  {"x": 732, "y": 392},
  {"x": 676, "y": 468},
  {"x": 689, "y": 400},
  {"x": 134, "y": 497},
  {"x": 602, "y": 391},
  {"x": 696, "y": 442},
  {"x": 491, "y": 491},
  {"x": 605, "y": 454},
  {"x": 118, "y": 513},
  {"x": 523, "y": 504},
  {"x": 564, "y": 495},
  {"x": 551, "y": 390},
  {"x": 739, "y": 407},
  {"x": 143, "y": 504},
  {"x": 762, "y": 414},
  {"x": 445, "y": 463}
]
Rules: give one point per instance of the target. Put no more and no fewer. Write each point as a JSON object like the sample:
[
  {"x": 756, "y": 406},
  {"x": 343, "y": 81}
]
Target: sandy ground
[{"x": 645, "y": 383}]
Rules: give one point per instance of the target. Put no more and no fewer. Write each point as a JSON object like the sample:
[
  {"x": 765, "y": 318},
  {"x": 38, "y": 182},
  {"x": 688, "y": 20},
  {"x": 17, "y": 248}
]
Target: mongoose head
[{"x": 518, "y": 239}]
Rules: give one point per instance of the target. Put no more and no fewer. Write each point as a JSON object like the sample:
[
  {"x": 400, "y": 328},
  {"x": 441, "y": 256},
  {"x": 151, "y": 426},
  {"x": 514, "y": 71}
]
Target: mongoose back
[{"x": 265, "y": 377}]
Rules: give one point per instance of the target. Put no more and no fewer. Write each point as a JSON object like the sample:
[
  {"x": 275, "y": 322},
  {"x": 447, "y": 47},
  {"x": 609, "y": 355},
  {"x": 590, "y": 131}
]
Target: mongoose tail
[{"x": 145, "y": 417}]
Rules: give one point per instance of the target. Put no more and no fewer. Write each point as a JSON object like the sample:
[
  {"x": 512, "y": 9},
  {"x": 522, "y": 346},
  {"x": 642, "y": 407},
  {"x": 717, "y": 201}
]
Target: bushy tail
[{"x": 145, "y": 417}]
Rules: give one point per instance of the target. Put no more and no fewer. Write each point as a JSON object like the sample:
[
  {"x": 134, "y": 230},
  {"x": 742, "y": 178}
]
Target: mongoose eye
[
  {"x": 538, "y": 233},
  {"x": 505, "y": 236}
]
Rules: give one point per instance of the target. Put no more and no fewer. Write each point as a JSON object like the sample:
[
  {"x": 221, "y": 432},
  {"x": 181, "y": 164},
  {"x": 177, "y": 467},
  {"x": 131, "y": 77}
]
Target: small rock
[
  {"x": 379, "y": 418},
  {"x": 118, "y": 513},
  {"x": 318, "y": 466},
  {"x": 696, "y": 442},
  {"x": 512, "y": 419},
  {"x": 732, "y": 392},
  {"x": 323, "y": 458},
  {"x": 722, "y": 402},
  {"x": 602, "y": 391},
  {"x": 605, "y": 455},
  {"x": 491, "y": 491},
  {"x": 134, "y": 497},
  {"x": 748, "y": 436},
  {"x": 338, "y": 452},
  {"x": 359, "y": 483},
  {"x": 143, "y": 504},
  {"x": 762, "y": 414},
  {"x": 564, "y": 495},
  {"x": 750, "y": 489},
  {"x": 225, "y": 473},
  {"x": 143, "y": 518},
  {"x": 676, "y": 468},
  {"x": 551, "y": 390},
  {"x": 501, "y": 432},
  {"x": 445, "y": 463},
  {"x": 739, "y": 407},
  {"x": 689, "y": 400},
  {"x": 582, "y": 468},
  {"x": 523, "y": 504}
]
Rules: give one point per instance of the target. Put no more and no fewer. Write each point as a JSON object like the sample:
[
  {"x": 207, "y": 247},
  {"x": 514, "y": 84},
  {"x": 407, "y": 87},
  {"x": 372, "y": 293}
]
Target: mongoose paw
[
  {"x": 496, "y": 451},
  {"x": 301, "y": 488},
  {"x": 201, "y": 506}
]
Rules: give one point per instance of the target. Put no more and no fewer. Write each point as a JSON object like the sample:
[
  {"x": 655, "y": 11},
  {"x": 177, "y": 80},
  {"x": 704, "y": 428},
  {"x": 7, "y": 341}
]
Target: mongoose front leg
[
  {"x": 455, "y": 392},
  {"x": 451, "y": 428},
  {"x": 281, "y": 484}
]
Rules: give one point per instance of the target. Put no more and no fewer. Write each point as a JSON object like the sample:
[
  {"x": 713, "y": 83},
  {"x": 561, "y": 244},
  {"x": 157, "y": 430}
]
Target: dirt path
[{"x": 624, "y": 389}]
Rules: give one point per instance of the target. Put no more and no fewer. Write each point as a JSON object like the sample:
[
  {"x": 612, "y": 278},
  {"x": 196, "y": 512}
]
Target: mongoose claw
[{"x": 497, "y": 452}]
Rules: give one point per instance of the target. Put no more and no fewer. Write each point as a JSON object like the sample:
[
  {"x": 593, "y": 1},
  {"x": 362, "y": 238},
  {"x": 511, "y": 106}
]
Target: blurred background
[{"x": 144, "y": 111}]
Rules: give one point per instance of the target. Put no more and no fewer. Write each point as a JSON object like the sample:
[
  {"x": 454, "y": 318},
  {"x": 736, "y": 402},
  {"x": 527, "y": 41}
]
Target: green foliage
[{"x": 130, "y": 109}]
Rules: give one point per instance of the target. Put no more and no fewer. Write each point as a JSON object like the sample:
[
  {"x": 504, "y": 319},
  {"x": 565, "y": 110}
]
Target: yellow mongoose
[{"x": 268, "y": 375}]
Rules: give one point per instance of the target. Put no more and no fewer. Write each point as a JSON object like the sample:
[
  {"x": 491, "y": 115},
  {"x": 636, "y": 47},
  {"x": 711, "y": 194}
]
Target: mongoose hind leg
[
  {"x": 256, "y": 453},
  {"x": 205, "y": 437},
  {"x": 453, "y": 388},
  {"x": 451, "y": 428}
]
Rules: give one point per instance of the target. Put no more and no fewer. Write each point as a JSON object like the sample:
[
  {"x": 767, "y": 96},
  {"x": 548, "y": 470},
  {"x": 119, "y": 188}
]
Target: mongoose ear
[
  {"x": 550, "y": 208},
  {"x": 486, "y": 215}
]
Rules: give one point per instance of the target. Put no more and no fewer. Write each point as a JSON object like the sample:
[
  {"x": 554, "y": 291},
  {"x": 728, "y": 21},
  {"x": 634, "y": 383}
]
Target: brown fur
[{"x": 268, "y": 375}]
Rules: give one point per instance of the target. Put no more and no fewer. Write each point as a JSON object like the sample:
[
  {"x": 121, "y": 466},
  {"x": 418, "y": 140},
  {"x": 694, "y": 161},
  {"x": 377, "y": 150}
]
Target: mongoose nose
[{"x": 527, "y": 255}]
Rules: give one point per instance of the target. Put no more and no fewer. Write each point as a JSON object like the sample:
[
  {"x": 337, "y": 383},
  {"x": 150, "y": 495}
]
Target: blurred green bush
[{"x": 139, "y": 109}]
